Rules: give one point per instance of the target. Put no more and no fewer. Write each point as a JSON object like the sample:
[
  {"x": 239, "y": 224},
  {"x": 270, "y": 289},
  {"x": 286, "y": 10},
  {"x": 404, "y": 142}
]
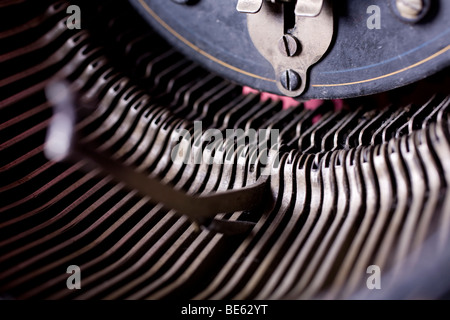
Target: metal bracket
[
  {"x": 291, "y": 50},
  {"x": 309, "y": 8},
  {"x": 305, "y": 8},
  {"x": 249, "y": 6}
]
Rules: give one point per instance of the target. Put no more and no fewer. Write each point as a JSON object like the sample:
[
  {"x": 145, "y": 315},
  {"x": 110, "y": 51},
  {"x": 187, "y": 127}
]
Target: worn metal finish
[
  {"x": 309, "y": 8},
  {"x": 314, "y": 34},
  {"x": 409, "y": 9},
  {"x": 360, "y": 61},
  {"x": 200, "y": 209},
  {"x": 249, "y": 6},
  {"x": 290, "y": 80},
  {"x": 364, "y": 185},
  {"x": 288, "y": 45}
]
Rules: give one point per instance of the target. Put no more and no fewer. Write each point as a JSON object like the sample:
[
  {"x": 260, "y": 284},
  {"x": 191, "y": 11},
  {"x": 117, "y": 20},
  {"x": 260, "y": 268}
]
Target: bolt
[
  {"x": 409, "y": 9},
  {"x": 290, "y": 80},
  {"x": 288, "y": 45}
]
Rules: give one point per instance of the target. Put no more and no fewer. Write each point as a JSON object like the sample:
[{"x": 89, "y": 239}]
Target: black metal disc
[{"x": 360, "y": 61}]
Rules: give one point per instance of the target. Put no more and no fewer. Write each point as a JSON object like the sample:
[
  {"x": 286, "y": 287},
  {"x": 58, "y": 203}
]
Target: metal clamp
[
  {"x": 292, "y": 38},
  {"x": 307, "y": 8}
]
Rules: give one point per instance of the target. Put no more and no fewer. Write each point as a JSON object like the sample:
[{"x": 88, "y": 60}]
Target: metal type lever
[{"x": 201, "y": 209}]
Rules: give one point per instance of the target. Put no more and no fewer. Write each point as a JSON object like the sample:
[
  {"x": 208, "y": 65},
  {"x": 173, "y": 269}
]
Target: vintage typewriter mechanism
[{"x": 112, "y": 159}]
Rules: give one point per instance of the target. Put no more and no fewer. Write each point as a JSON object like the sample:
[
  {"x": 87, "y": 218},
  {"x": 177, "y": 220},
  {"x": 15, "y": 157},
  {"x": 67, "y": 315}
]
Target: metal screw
[
  {"x": 290, "y": 80},
  {"x": 288, "y": 45},
  {"x": 409, "y": 9}
]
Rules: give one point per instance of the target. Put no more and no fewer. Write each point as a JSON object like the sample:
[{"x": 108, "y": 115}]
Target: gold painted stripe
[
  {"x": 222, "y": 63},
  {"x": 389, "y": 74},
  {"x": 194, "y": 47}
]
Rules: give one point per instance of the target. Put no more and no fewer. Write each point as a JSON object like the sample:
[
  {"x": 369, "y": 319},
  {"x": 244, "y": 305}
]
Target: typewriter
[{"x": 245, "y": 149}]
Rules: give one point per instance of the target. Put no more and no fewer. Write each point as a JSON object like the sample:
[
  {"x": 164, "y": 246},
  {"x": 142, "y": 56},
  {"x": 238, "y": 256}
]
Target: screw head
[
  {"x": 409, "y": 9},
  {"x": 290, "y": 80},
  {"x": 288, "y": 45}
]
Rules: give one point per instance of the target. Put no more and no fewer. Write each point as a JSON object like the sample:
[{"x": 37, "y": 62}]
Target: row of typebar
[{"x": 354, "y": 188}]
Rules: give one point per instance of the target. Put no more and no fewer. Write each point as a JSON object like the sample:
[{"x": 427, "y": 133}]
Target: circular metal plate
[{"x": 360, "y": 61}]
